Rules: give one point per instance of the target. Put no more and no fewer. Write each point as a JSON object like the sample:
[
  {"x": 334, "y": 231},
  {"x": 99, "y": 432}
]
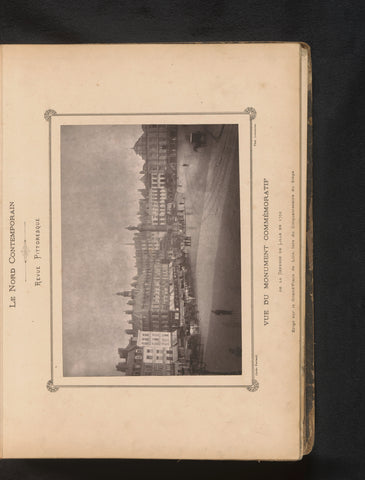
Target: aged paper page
[{"x": 154, "y": 250}]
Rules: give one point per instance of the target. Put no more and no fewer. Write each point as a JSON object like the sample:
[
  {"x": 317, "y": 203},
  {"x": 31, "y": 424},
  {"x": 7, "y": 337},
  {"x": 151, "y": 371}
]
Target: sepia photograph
[{"x": 151, "y": 250}]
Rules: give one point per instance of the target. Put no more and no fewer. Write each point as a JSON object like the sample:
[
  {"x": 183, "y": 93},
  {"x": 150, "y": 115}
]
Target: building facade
[{"x": 155, "y": 311}]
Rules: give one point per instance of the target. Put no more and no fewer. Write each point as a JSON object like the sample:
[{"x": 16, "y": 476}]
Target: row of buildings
[{"x": 158, "y": 295}]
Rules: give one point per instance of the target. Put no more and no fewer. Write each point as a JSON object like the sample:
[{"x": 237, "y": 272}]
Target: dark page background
[{"x": 335, "y": 31}]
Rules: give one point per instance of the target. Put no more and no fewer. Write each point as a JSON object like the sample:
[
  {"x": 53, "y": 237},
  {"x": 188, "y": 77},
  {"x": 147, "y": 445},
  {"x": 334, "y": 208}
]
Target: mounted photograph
[{"x": 151, "y": 250}]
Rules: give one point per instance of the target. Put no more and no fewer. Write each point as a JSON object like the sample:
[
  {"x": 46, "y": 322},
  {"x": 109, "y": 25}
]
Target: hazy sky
[{"x": 99, "y": 194}]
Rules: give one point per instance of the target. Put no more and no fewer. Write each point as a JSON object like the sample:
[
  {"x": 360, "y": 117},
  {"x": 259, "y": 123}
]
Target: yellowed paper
[{"x": 223, "y": 274}]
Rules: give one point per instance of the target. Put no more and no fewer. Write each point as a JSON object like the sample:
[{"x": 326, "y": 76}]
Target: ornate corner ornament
[
  {"x": 254, "y": 387},
  {"x": 48, "y": 114},
  {"x": 251, "y": 111},
  {"x": 52, "y": 388}
]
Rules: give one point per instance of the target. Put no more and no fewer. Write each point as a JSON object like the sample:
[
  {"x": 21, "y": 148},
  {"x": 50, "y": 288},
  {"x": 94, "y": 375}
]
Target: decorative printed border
[{"x": 48, "y": 114}]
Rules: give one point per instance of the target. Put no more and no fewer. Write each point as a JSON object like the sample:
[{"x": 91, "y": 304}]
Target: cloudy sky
[{"x": 99, "y": 195}]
